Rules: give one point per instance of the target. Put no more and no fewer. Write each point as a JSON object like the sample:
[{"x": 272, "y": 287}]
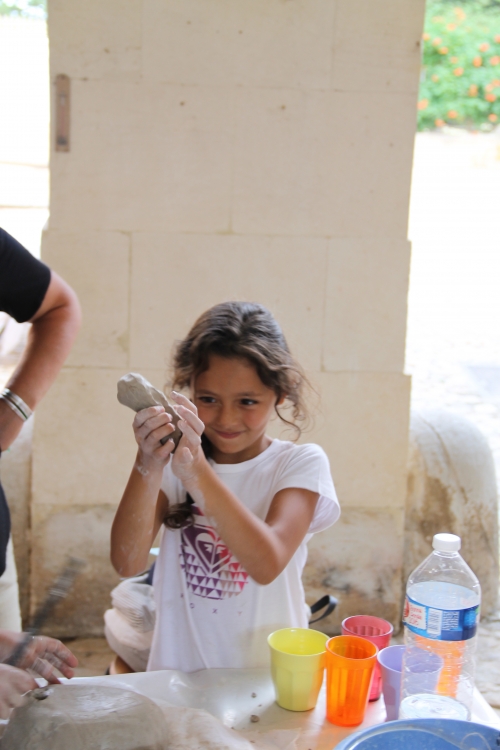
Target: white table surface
[{"x": 227, "y": 694}]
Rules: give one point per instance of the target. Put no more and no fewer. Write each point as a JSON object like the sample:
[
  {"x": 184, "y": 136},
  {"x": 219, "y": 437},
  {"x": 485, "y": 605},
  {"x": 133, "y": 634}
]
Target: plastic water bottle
[{"x": 441, "y": 615}]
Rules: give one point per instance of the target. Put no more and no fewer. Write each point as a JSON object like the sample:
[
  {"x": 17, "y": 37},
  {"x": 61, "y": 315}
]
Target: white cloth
[
  {"x": 128, "y": 627},
  {"x": 134, "y": 599},
  {"x": 210, "y": 613},
  {"x": 130, "y": 644},
  {"x": 10, "y": 612}
]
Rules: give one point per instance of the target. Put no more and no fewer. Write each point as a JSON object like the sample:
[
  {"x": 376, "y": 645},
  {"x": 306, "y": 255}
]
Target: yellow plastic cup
[{"x": 297, "y": 666}]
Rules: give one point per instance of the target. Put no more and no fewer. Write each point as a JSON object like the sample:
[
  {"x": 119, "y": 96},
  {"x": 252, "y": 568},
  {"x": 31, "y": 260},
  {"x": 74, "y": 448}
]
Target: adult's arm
[{"x": 53, "y": 329}]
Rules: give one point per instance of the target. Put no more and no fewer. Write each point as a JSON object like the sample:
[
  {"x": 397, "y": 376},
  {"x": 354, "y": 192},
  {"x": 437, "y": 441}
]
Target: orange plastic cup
[{"x": 350, "y": 661}]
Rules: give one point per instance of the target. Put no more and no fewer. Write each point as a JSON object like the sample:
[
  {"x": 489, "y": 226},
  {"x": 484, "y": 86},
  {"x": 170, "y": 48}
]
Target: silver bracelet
[{"x": 17, "y": 404}]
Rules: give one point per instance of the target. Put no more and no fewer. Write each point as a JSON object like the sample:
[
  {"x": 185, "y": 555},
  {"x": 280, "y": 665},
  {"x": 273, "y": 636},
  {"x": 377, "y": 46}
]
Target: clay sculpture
[
  {"x": 138, "y": 393},
  {"x": 85, "y": 716}
]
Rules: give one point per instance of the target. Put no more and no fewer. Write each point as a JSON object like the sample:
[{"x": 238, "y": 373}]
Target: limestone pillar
[{"x": 228, "y": 149}]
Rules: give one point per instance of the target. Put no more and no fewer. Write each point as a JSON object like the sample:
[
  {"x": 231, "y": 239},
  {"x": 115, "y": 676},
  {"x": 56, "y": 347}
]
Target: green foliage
[
  {"x": 460, "y": 81},
  {"x": 24, "y": 8}
]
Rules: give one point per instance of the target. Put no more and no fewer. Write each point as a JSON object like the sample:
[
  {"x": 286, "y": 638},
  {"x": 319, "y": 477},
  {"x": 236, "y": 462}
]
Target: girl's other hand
[
  {"x": 188, "y": 458},
  {"x": 150, "y": 426}
]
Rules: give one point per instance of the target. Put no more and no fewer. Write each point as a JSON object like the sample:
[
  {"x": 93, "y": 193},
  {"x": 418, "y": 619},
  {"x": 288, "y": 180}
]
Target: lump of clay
[
  {"x": 138, "y": 393},
  {"x": 86, "y": 716}
]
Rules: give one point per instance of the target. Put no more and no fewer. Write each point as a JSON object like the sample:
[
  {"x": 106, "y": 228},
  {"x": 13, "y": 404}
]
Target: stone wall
[{"x": 228, "y": 149}]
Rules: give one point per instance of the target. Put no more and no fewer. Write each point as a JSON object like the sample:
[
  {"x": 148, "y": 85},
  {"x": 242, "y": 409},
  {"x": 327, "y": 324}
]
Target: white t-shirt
[{"x": 210, "y": 613}]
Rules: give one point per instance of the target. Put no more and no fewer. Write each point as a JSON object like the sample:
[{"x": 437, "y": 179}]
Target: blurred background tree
[
  {"x": 24, "y": 8},
  {"x": 460, "y": 82}
]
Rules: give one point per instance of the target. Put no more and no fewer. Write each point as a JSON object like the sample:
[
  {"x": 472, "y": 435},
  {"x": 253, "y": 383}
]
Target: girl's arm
[
  {"x": 53, "y": 330},
  {"x": 143, "y": 505},
  {"x": 264, "y": 548}
]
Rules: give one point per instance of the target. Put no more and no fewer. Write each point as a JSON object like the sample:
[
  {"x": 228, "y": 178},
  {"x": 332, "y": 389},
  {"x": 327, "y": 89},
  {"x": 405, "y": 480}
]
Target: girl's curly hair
[{"x": 248, "y": 331}]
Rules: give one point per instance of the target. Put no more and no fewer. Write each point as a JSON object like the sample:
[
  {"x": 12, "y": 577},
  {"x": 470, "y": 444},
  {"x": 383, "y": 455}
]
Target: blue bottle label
[{"x": 440, "y": 624}]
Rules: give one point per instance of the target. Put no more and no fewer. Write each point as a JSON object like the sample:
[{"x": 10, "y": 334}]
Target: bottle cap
[{"x": 446, "y": 542}]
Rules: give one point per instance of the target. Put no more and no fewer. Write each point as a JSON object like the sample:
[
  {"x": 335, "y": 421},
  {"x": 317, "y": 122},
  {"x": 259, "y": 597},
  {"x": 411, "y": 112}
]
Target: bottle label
[{"x": 440, "y": 624}]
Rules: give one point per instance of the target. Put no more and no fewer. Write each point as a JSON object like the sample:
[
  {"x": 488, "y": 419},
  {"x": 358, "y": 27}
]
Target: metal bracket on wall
[{"x": 62, "y": 112}]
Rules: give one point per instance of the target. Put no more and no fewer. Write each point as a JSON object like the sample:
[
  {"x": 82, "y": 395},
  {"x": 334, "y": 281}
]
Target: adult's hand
[
  {"x": 42, "y": 655},
  {"x": 14, "y": 683}
]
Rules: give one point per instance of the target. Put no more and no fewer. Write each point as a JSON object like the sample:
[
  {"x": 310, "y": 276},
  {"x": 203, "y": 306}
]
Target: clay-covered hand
[
  {"x": 188, "y": 457},
  {"x": 150, "y": 426},
  {"x": 43, "y": 655},
  {"x": 14, "y": 683}
]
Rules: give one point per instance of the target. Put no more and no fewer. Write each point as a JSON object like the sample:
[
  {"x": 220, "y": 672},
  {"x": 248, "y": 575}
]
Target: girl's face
[{"x": 235, "y": 407}]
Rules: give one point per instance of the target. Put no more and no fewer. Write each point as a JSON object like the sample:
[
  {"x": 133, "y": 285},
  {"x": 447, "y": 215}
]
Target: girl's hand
[
  {"x": 150, "y": 426},
  {"x": 188, "y": 458}
]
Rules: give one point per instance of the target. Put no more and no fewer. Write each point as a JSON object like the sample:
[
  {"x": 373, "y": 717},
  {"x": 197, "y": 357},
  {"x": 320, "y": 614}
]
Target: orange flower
[
  {"x": 426, "y": 37},
  {"x": 451, "y": 26},
  {"x": 473, "y": 89},
  {"x": 423, "y": 104},
  {"x": 437, "y": 41},
  {"x": 435, "y": 78},
  {"x": 439, "y": 123},
  {"x": 492, "y": 118},
  {"x": 458, "y": 72},
  {"x": 497, "y": 39},
  {"x": 443, "y": 50},
  {"x": 495, "y": 60},
  {"x": 484, "y": 47},
  {"x": 460, "y": 14},
  {"x": 452, "y": 114},
  {"x": 496, "y": 83},
  {"x": 488, "y": 87},
  {"x": 490, "y": 98},
  {"x": 477, "y": 61},
  {"x": 454, "y": 59}
]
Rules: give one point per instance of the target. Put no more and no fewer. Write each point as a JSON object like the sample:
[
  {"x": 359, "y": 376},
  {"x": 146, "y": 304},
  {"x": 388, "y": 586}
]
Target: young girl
[{"x": 238, "y": 506}]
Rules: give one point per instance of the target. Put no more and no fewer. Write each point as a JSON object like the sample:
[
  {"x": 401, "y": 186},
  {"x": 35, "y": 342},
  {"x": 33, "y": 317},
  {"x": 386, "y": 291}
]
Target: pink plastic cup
[{"x": 378, "y": 632}]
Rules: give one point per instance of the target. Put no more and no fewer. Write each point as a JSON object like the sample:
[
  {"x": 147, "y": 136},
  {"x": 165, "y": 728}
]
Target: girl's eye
[
  {"x": 206, "y": 399},
  {"x": 248, "y": 402}
]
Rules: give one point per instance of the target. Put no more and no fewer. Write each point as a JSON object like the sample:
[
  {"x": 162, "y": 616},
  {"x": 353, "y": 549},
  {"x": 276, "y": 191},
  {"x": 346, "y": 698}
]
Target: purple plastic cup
[
  {"x": 391, "y": 665},
  {"x": 421, "y": 671}
]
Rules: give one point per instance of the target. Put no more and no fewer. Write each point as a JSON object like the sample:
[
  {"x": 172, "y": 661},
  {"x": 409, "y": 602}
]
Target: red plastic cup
[
  {"x": 378, "y": 632},
  {"x": 349, "y": 668}
]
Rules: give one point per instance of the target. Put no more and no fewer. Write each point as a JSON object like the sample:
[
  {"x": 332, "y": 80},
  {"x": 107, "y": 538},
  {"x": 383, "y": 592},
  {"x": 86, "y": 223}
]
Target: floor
[
  {"x": 93, "y": 654},
  {"x": 453, "y": 336}
]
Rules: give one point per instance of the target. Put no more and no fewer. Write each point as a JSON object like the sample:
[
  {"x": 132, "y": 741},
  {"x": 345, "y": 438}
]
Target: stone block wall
[{"x": 228, "y": 149}]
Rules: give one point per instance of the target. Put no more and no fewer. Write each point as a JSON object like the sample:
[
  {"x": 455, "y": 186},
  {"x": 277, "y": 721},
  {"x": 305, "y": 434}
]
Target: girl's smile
[{"x": 235, "y": 406}]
